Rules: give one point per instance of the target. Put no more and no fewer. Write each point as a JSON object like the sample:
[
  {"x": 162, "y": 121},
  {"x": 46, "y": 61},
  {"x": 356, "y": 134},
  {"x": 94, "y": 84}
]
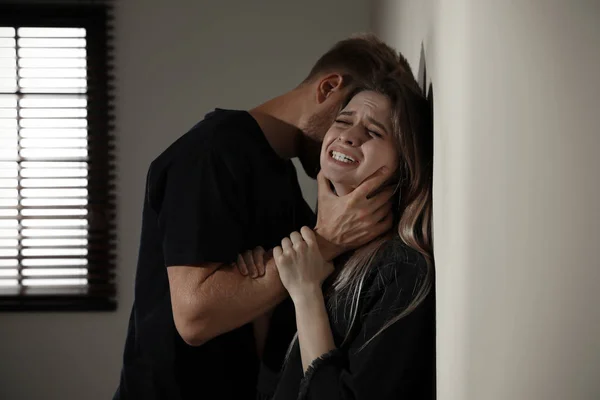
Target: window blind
[{"x": 56, "y": 159}]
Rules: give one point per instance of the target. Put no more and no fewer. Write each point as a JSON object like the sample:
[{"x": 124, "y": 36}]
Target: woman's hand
[{"x": 301, "y": 266}]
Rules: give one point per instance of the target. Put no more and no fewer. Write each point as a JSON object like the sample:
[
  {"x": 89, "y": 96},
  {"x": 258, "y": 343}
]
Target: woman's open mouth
[{"x": 342, "y": 158}]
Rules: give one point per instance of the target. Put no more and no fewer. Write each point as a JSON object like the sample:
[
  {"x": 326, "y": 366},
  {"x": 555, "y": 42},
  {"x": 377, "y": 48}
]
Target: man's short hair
[{"x": 360, "y": 58}]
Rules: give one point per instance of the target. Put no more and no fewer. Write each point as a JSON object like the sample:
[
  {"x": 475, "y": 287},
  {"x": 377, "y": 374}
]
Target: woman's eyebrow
[
  {"x": 370, "y": 119},
  {"x": 378, "y": 124}
]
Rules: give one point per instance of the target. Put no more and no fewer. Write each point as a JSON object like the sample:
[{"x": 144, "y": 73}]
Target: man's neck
[{"x": 280, "y": 120}]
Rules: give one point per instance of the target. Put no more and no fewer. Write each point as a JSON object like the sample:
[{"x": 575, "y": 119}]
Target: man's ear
[{"x": 329, "y": 84}]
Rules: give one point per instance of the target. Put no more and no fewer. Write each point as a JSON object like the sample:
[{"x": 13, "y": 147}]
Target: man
[{"x": 226, "y": 186}]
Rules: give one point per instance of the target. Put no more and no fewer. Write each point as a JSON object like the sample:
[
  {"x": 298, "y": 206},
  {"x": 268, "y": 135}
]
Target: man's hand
[
  {"x": 253, "y": 262},
  {"x": 348, "y": 222}
]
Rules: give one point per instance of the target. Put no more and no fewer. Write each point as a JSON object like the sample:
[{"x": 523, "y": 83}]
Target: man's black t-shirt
[{"x": 218, "y": 190}]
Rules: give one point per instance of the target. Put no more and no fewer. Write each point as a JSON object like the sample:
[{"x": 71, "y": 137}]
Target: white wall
[
  {"x": 174, "y": 65},
  {"x": 517, "y": 221}
]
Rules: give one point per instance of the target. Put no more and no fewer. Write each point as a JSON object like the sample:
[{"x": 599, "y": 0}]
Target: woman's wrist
[{"x": 308, "y": 296}]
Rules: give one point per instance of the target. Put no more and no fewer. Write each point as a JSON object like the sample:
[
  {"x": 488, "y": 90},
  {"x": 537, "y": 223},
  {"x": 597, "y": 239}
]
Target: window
[{"x": 56, "y": 192}]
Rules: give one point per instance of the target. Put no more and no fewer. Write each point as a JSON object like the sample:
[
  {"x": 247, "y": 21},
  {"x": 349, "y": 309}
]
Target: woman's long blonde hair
[{"x": 412, "y": 126}]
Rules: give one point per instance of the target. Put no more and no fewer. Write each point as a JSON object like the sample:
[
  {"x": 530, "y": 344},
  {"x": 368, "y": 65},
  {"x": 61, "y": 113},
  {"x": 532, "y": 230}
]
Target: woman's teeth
[{"x": 342, "y": 157}]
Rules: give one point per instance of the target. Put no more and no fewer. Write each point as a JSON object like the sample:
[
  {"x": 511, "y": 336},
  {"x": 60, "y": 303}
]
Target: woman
[{"x": 368, "y": 331}]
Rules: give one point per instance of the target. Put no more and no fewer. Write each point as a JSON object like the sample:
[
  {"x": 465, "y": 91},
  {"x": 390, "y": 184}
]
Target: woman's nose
[{"x": 351, "y": 137}]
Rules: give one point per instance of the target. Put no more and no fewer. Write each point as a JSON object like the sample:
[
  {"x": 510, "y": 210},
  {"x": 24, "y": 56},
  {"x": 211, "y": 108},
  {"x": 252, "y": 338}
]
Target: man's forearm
[
  {"x": 225, "y": 299},
  {"x": 231, "y": 300},
  {"x": 242, "y": 298}
]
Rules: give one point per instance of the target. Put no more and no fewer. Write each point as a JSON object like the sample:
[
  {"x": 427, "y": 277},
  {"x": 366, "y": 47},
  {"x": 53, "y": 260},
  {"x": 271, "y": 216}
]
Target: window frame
[{"x": 95, "y": 18}]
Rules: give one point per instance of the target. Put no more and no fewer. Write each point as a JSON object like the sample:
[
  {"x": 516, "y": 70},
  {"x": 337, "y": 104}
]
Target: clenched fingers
[
  {"x": 250, "y": 264},
  {"x": 241, "y": 265},
  {"x": 259, "y": 260},
  {"x": 370, "y": 185}
]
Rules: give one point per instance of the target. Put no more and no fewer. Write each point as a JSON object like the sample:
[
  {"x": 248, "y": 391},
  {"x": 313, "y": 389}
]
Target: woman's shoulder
[
  {"x": 398, "y": 264},
  {"x": 395, "y": 250}
]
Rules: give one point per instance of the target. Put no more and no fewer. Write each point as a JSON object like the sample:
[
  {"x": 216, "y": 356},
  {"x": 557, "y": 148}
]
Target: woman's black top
[{"x": 399, "y": 363}]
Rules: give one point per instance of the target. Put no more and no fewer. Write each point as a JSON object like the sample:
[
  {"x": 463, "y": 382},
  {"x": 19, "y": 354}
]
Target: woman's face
[{"x": 359, "y": 142}]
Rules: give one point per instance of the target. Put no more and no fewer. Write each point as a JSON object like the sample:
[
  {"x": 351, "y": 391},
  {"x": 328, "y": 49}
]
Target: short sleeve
[{"x": 203, "y": 213}]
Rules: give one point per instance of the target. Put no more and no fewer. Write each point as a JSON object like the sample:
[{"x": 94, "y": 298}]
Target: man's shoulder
[
  {"x": 228, "y": 128},
  {"x": 225, "y": 134},
  {"x": 234, "y": 132}
]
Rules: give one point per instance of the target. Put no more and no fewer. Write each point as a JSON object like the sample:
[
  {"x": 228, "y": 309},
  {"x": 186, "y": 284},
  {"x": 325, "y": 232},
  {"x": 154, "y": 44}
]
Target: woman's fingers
[
  {"x": 297, "y": 240},
  {"x": 286, "y": 245},
  {"x": 277, "y": 253},
  {"x": 308, "y": 235}
]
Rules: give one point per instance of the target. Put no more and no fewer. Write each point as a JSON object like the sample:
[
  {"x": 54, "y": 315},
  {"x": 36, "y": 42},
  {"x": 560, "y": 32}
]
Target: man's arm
[{"x": 211, "y": 299}]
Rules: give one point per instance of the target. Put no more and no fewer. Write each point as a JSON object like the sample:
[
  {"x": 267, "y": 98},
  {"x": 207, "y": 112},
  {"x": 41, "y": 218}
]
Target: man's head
[{"x": 327, "y": 88}]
